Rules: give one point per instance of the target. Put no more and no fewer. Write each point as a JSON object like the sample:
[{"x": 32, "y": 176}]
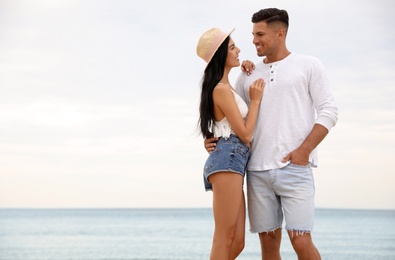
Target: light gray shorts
[{"x": 274, "y": 194}]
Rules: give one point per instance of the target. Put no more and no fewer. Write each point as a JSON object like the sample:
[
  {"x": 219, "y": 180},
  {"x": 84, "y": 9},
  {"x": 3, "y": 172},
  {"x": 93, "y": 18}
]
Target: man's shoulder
[
  {"x": 304, "y": 57},
  {"x": 304, "y": 61}
]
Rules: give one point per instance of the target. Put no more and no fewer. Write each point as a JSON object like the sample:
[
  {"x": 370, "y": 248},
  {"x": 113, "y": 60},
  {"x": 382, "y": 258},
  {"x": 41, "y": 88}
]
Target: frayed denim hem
[
  {"x": 266, "y": 231},
  {"x": 295, "y": 232}
]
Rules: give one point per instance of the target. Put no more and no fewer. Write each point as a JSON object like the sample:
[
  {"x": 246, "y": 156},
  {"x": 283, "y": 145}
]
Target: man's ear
[{"x": 281, "y": 33}]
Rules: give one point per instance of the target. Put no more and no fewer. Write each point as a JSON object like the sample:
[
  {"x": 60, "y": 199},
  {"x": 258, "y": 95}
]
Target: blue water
[{"x": 120, "y": 234}]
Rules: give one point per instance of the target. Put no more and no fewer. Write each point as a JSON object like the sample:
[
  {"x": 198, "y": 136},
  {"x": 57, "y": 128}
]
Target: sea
[{"x": 122, "y": 234}]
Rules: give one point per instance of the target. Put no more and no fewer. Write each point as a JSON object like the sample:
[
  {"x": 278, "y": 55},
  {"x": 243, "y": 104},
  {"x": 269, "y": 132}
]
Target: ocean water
[{"x": 121, "y": 234}]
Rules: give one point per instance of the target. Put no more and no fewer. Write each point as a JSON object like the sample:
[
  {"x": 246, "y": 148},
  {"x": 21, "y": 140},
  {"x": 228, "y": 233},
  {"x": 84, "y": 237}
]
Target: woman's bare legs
[
  {"x": 239, "y": 241},
  {"x": 228, "y": 199}
]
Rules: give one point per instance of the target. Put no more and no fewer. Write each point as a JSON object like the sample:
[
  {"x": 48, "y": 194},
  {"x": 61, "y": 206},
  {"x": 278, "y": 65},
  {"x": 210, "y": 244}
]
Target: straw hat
[{"x": 209, "y": 43}]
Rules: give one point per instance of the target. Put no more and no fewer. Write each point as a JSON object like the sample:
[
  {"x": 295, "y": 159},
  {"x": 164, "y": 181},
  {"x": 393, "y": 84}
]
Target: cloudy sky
[{"x": 99, "y": 99}]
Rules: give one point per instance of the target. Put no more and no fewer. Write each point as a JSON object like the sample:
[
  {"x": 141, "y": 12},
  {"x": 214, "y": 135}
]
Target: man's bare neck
[{"x": 274, "y": 58}]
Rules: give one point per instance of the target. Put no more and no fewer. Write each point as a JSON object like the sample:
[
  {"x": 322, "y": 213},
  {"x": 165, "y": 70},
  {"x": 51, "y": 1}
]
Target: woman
[{"x": 224, "y": 113}]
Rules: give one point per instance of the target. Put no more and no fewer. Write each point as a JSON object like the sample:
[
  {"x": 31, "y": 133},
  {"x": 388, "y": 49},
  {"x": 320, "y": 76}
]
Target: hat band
[{"x": 214, "y": 46}]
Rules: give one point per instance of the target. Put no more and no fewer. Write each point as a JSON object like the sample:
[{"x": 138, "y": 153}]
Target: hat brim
[{"x": 220, "y": 43}]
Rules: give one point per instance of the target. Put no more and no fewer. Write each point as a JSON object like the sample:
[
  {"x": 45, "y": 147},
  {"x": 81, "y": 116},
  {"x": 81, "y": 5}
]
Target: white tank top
[{"x": 222, "y": 128}]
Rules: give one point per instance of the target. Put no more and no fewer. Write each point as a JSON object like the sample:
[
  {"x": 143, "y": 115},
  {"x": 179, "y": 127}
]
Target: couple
[{"x": 281, "y": 110}]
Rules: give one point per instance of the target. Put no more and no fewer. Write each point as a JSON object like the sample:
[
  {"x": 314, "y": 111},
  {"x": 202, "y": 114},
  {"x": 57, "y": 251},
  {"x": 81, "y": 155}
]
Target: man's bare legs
[
  {"x": 303, "y": 245},
  {"x": 270, "y": 244},
  {"x": 301, "y": 242}
]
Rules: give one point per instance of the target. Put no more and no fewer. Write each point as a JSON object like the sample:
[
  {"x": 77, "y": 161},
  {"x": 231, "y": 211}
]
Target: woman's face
[{"x": 232, "y": 60}]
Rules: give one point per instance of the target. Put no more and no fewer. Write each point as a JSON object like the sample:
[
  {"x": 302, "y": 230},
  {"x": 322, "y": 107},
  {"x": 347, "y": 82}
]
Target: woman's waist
[
  {"x": 234, "y": 144},
  {"x": 232, "y": 138}
]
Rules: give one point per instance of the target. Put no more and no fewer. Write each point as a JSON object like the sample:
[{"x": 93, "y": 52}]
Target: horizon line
[{"x": 170, "y": 208}]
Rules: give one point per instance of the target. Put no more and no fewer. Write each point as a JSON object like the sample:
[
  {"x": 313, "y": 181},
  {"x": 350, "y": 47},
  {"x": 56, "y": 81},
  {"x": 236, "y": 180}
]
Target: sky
[{"x": 99, "y": 99}]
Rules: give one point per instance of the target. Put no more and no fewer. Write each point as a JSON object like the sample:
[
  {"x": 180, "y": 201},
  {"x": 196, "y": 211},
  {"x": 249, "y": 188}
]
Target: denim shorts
[
  {"x": 230, "y": 155},
  {"x": 286, "y": 192}
]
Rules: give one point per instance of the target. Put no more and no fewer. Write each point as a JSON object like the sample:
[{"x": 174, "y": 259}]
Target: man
[{"x": 296, "y": 113}]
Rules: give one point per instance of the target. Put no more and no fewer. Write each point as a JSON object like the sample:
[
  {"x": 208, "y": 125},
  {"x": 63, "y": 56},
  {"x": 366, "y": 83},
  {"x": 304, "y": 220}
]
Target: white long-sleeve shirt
[{"x": 296, "y": 96}]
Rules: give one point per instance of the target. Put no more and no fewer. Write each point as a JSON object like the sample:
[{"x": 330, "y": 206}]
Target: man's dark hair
[{"x": 271, "y": 15}]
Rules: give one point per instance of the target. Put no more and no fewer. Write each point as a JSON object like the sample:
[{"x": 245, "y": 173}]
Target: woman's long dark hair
[{"x": 212, "y": 75}]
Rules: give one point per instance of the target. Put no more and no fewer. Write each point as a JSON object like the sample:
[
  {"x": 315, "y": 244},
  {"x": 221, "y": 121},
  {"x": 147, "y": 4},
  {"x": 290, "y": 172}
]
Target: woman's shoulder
[
  {"x": 222, "y": 93},
  {"x": 223, "y": 88}
]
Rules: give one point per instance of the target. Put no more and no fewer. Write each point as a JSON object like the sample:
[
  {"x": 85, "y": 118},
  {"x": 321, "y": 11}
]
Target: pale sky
[{"x": 99, "y": 99}]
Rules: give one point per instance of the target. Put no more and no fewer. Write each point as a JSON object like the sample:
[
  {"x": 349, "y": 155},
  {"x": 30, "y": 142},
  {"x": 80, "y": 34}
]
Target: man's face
[{"x": 265, "y": 39}]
